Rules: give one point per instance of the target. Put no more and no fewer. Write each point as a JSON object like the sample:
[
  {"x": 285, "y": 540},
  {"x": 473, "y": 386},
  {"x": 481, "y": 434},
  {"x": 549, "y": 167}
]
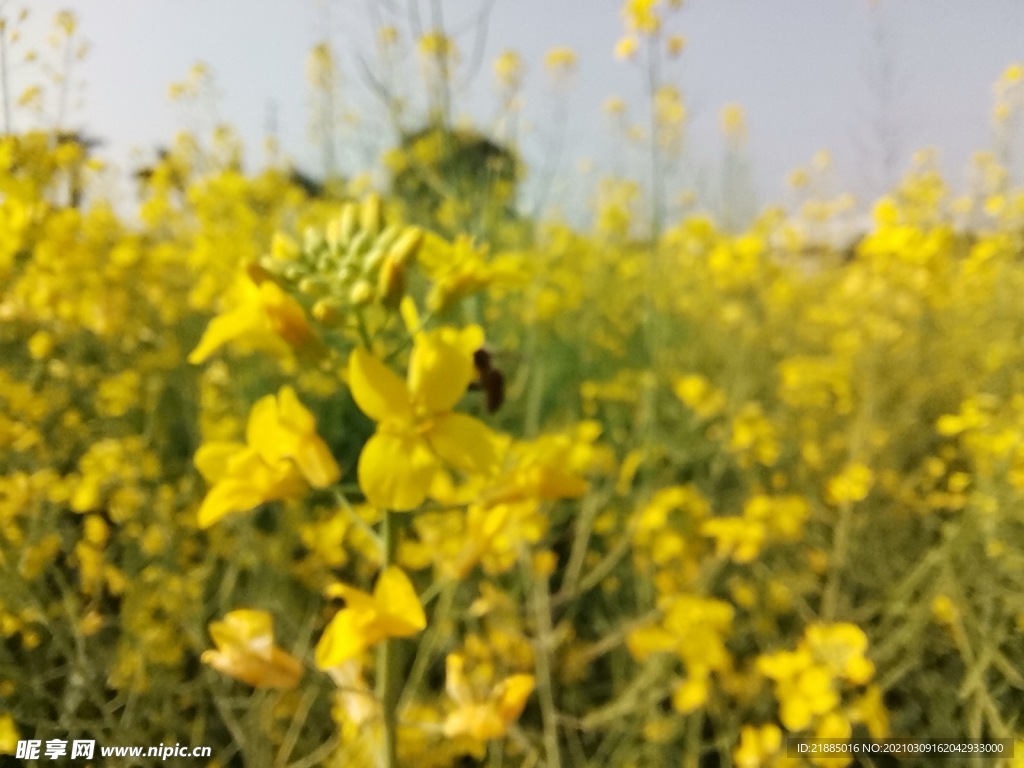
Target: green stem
[
  {"x": 387, "y": 660},
  {"x": 542, "y": 659},
  {"x": 651, "y": 321}
]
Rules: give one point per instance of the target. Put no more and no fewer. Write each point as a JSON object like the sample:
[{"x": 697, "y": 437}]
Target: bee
[{"x": 489, "y": 380}]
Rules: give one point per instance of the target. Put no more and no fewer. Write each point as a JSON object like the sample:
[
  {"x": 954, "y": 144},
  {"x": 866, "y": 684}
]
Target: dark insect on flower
[{"x": 488, "y": 379}]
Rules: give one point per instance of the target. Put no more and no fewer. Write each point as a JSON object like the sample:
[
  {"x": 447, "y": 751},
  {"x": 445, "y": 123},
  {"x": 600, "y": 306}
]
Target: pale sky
[{"x": 801, "y": 69}]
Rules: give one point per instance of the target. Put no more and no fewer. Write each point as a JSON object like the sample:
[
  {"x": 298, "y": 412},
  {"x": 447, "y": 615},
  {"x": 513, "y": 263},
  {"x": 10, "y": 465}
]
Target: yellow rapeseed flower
[
  {"x": 560, "y": 61},
  {"x": 246, "y": 651},
  {"x": 508, "y": 68},
  {"x": 281, "y": 455},
  {"x": 737, "y": 538},
  {"x": 734, "y": 123},
  {"x": 437, "y": 45},
  {"x": 852, "y": 484},
  {"x": 626, "y": 48},
  {"x": 393, "y": 610},
  {"x": 758, "y": 746},
  {"x": 263, "y": 317},
  {"x": 488, "y": 716},
  {"x": 640, "y": 16},
  {"x": 415, "y": 424},
  {"x": 8, "y": 735},
  {"x": 675, "y": 45}
]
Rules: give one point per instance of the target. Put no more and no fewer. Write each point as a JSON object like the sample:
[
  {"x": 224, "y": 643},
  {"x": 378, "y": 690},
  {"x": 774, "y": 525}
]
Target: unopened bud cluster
[{"x": 359, "y": 260}]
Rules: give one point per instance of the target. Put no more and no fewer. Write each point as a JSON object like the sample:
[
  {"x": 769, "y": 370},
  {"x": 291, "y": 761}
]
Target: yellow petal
[
  {"x": 244, "y": 627},
  {"x": 512, "y": 694},
  {"x": 395, "y": 471},
  {"x": 410, "y": 315},
  {"x": 354, "y": 597},
  {"x": 341, "y": 641},
  {"x": 556, "y": 483},
  {"x": 246, "y": 651},
  {"x": 690, "y": 694},
  {"x": 225, "y": 328},
  {"x": 281, "y": 428},
  {"x": 225, "y": 497},
  {"x": 292, "y": 414},
  {"x": 464, "y": 442},
  {"x": 455, "y": 681},
  {"x": 401, "y": 611},
  {"x": 277, "y": 670},
  {"x": 377, "y": 390},
  {"x": 316, "y": 463},
  {"x": 212, "y": 459},
  {"x": 284, "y": 314},
  {"x": 262, "y": 430},
  {"x": 440, "y": 370}
]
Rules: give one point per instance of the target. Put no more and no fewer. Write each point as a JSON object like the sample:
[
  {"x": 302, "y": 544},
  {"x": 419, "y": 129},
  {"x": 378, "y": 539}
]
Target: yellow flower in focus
[
  {"x": 281, "y": 455},
  {"x": 282, "y": 429},
  {"x": 264, "y": 317},
  {"x": 393, "y": 610},
  {"x": 415, "y": 423},
  {"x": 246, "y": 651},
  {"x": 483, "y": 717}
]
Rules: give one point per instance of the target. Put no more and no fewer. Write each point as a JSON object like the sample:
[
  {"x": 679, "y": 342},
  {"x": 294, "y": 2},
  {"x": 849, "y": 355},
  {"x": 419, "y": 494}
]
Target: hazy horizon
[{"x": 803, "y": 72}]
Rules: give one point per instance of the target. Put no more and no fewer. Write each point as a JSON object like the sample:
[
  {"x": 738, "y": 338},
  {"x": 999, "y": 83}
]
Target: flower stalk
[{"x": 387, "y": 659}]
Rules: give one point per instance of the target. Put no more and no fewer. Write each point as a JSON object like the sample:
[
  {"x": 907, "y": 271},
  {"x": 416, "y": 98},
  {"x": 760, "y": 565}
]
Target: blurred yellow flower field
[{"x": 406, "y": 478}]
